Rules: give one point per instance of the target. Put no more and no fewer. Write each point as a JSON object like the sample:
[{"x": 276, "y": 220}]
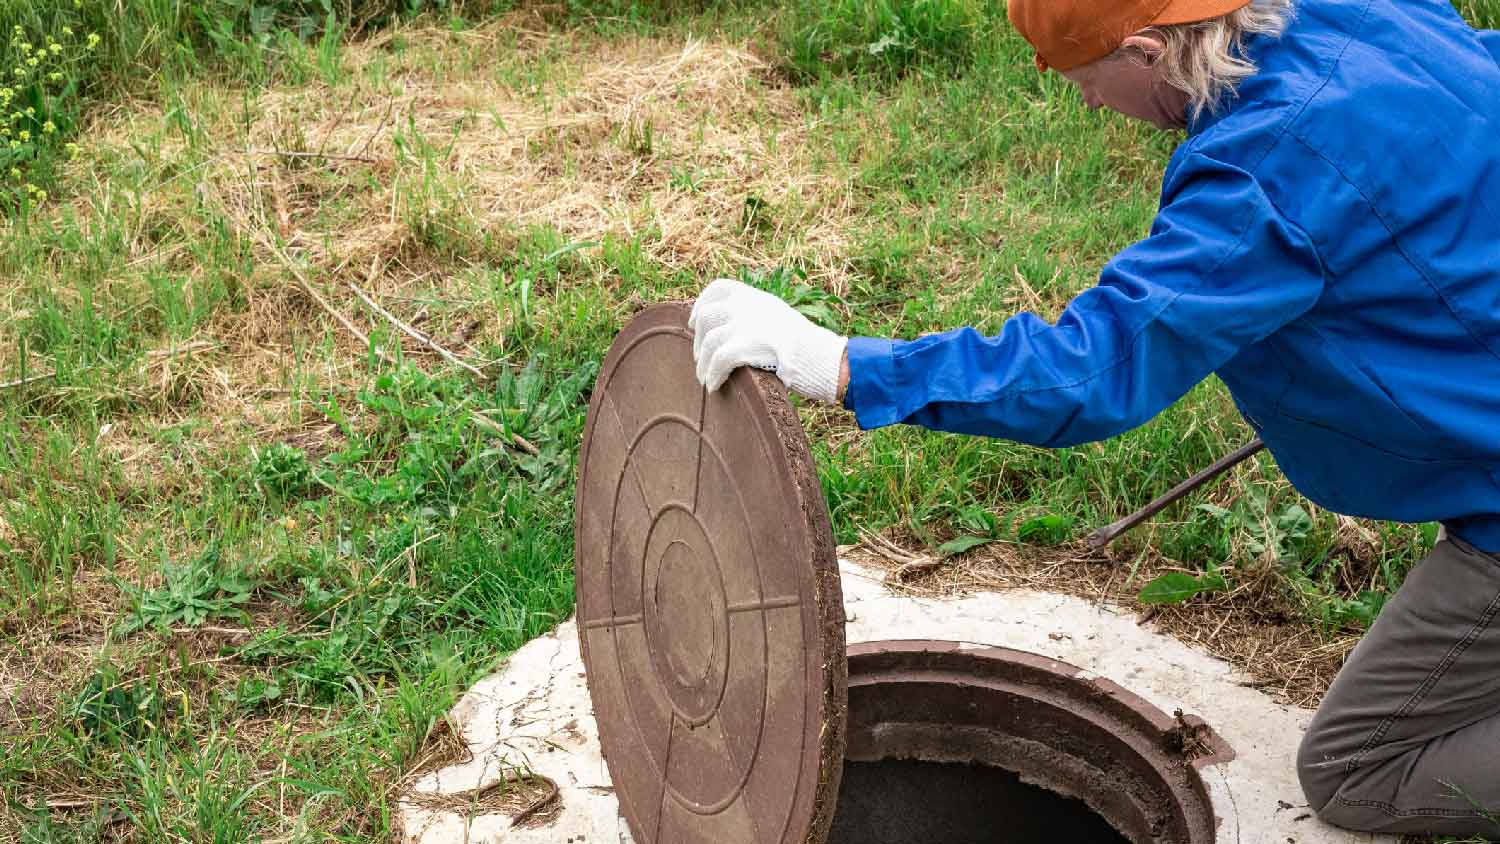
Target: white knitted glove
[{"x": 737, "y": 325}]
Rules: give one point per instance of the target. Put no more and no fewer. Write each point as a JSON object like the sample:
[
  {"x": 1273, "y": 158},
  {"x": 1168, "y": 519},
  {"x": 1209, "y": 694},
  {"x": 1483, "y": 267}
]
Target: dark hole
[{"x": 901, "y": 802}]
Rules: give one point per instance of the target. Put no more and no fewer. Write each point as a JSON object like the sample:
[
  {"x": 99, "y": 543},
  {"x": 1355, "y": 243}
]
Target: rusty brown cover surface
[{"x": 709, "y": 606}]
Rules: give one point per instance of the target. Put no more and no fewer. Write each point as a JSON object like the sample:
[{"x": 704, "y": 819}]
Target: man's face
[{"x": 1128, "y": 83}]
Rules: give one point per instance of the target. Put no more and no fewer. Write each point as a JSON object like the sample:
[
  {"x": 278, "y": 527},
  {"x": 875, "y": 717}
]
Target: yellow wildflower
[
  {"x": 32, "y": 61},
  {"x": 31, "y": 111},
  {"x": 49, "y": 127},
  {"x": 68, "y": 31},
  {"x": 55, "y": 47},
  {"x": 15, "y": 172},
  {"x": 15, "y": 144},
  {"x": 41, "y": 195},
  {"x": 25, "y": 46},
  {"x": 20, "y": 72},
  {"x": 55, "y": 76},
  {"x": 25, "y": 136},
  {"x": 93, "y": 40}
]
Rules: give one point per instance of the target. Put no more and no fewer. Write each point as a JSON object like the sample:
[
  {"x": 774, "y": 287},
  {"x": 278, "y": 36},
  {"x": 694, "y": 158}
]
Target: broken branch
[
  {"x": 538, "y": 805},
  {"x": 412, "y": 332},
  {"x": 333, "y": 156},
  {"x": 516, "y": 440},
  {"x": 322, "y": 303},
  {"x": 30, "y": 379}
]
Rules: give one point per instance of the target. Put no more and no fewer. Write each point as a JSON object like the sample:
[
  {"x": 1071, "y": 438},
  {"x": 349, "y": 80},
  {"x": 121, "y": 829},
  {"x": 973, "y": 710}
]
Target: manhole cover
[{"x": 709, "y": 603}]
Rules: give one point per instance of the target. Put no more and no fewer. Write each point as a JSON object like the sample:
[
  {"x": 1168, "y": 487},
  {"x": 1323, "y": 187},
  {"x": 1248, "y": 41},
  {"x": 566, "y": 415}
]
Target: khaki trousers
[{"x": 1408, "y": 739}]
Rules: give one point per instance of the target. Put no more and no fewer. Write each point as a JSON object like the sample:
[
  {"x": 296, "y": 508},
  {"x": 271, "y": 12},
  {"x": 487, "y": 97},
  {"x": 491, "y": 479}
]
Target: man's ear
[{"x": 1145, "y": 45}]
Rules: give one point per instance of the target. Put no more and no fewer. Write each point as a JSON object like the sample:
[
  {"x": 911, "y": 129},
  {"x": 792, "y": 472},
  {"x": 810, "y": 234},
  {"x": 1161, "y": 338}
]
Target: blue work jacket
[{"x": 1328, "y": 243}]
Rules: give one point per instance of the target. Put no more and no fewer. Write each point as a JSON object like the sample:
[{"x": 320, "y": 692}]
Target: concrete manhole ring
[
  {"x": 714, "y": 648},
  {"x": 962, "y": 738}
]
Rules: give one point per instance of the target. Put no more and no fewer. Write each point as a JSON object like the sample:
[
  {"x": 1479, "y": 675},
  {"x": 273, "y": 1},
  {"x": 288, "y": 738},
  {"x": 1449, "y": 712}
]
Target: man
[{"x": 1328, "y": 243}]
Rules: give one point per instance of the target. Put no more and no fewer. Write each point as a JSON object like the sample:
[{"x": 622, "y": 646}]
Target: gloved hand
[{"x": 737, "y": 325}]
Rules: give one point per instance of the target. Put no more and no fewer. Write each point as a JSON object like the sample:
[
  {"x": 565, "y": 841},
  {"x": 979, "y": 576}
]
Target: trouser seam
[
  {"x": 1459, "y": 648},
  {"x": 1394, "y": 812},
  {"x": 1422, "y": 691}
]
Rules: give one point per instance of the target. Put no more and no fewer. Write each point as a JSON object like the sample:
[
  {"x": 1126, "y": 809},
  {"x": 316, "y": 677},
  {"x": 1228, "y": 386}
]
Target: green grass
[
  {"x": 247, "y": 561},
  {"x": 886, "y": 37},
  {"x": 1483, "y": 14}
]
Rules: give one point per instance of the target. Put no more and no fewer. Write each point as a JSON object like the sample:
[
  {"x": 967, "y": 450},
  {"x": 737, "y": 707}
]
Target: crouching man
[{"x": 1328, "y": 243}]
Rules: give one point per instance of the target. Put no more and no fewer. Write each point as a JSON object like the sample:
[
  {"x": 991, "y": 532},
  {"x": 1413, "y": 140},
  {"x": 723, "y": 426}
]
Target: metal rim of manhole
[
  {"x": 714, "y": 651},
  {"x": 1149, "y": 775}
]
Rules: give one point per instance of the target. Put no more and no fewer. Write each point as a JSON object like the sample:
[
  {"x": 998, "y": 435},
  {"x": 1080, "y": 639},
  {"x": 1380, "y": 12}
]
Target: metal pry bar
[{"x": 1104, "y": 536}]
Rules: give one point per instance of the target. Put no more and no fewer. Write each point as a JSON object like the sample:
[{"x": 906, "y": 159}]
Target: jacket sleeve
[
  {"x": 1490, "y": 38},
  {"x": 1221, "y": 270}
]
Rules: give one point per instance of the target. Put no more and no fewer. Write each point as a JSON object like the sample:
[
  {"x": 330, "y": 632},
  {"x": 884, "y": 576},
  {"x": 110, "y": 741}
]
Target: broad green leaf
[
  {"x": 1295, "y": 522},
  {"x": 962, "y": 544},
  {"x": 1171, "y": 588},
  {"x": 1050, "y": 529},
  {"x": 1216, "y": 511}
]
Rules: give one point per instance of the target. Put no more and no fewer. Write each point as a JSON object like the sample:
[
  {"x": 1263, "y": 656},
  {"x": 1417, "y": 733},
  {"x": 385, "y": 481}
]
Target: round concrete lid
[{"x": 709, "y": 603}]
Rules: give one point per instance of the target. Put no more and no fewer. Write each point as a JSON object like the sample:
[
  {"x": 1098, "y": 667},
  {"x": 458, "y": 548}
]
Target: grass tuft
[
  {"x": 1483, "y": 14},
  {"x": 886, "y": 38}
]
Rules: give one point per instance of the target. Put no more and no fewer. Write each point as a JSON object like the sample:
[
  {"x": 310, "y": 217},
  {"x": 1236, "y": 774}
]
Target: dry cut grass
[{"x": 679, "y": 142}]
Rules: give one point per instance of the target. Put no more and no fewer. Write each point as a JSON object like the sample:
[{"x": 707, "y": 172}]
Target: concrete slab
[{"x": 535, "y": 713}]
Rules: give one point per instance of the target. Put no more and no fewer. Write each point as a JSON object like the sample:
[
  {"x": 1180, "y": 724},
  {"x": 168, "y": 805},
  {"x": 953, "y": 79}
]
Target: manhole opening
[
  {"x": 953, "y": 744},
  {"x": 912, "y": 802}
]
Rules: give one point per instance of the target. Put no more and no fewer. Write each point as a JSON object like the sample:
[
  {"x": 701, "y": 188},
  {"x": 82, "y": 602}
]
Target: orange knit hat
[{"x": 1072, "y": 33}]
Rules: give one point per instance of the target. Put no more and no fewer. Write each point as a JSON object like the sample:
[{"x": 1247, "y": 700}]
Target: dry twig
[
  {"x": 185, "y": 349},
  {"x": 515, "y": 439},
  {"x": 538, "y": 805},
  {"x": 317, "y": 297},
  {"x": 333, "y": 156},
  {"x": 30, "y": 379},
  {"x": 410, "y": 331},
  {"x": 908, "y": 565}
]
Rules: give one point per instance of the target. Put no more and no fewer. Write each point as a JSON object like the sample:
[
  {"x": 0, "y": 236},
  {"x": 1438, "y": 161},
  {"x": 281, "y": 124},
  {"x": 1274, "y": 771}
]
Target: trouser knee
[
  {"x": 1341, "y": 797},
  {"x": 1322, "y": 778}
]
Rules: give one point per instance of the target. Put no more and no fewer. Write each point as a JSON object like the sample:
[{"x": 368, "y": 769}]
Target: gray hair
[{"x": 1207, "y": 60}]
